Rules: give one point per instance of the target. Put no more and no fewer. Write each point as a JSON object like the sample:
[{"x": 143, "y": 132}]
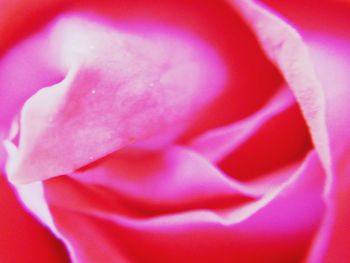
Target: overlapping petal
[
  {"x": 186, "y": 234},
  {"x": 120, "y": 88},
  {"x": 189, "y": 203},
  {"x": 327, "y": 44}
]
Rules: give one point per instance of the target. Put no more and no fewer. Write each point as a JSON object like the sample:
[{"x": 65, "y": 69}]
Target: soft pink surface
[
  {"x": 329, "y": 49},
  {"x": 248, "y": 68},
  {"x": 148, "y": 82},
  {"x": 111, "y": 219},
  {"x": 202, "y": 132}
]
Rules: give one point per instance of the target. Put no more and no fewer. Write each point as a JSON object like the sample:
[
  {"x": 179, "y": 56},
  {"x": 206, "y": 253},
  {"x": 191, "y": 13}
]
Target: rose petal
[
  {"x": 285, "y": 47},
  {"x": 260, "y": 144},
  {"x": 336, "y": 86},
  {"x": 334, "y": 236},
  {"x": 188, "y": 237},
  {"x": 271, "y": 148},
  {"x": 176, "y": 180},
  {"x": 151, "y": 83},
  {"x": 328, "y": 44},
  {"x": 23, "y": 71},
  {"x": 248, "y": 67},
  {"x": 227, "y": 138}
]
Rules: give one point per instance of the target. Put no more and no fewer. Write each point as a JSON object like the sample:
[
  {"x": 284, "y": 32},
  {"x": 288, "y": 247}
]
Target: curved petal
[
  {"x": 191, "y": 242},
  {"x": 157, "y": 183},
  {"x": 335, "y": 236},
  {"x": 247, "y": 65},
  {"x": 153, "y": 81},
  {"x": 271, "y": 148},
  {"x": 248, "y": 149},
  {"x": 217, "y": 143},
  {"x": 336, "y": 86},
  {"x": 329, "y": 48},
  {"x": 188, "y": 237},
  {"x": 286, "y": 48}
]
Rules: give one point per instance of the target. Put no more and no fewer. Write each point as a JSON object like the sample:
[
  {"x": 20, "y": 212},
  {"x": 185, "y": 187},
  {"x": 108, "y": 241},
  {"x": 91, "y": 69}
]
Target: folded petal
[
  {"x": 120, "y": 88},
  {"x": 285, "y": 47},
  {"x": 157, "y": 183},
  {"x": 254, "y": 147},
  {"x": 264, "y": 226},
  {"x": 334, "y": 236},
  {"x": 331, "y": 54},
  {"x": 328, "y": 45},
  {"x": 217, "y": 143}
]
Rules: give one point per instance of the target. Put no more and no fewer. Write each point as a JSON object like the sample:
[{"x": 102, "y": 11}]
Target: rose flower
[{"x": 179, "y": 131}]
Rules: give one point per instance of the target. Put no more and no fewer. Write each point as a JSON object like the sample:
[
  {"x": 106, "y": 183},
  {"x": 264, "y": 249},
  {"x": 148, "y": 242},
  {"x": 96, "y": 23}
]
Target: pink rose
[{"x": 180, "y": 131}]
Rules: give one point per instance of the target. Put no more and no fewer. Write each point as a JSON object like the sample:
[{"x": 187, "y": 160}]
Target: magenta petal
[
  {"x": 334, "y": 236},
  {"x": 157, "y": 183},
  {"x": 285, "y": 47},
  {"x": 331, "y": 56},
  {"x": 327, "y": 36},
  {"x": 217, "y": 143},
  {"x": 153, "y": 81},
  {"x": 333, "y": 239},
  {"x": 289, "y": 214},
  {"x": 23, "y": 71}
]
